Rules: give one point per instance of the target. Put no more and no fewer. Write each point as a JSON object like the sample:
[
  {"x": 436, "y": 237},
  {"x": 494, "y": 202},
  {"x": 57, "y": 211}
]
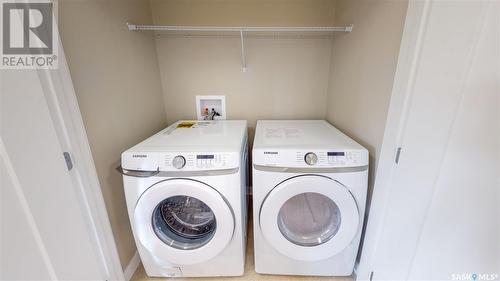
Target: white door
[
  {"x": 436, "y": 213},
  {"x": 183, "y": 221},
  {"x": 53, "y": 220},
  {"x": 309, "y": 217}
]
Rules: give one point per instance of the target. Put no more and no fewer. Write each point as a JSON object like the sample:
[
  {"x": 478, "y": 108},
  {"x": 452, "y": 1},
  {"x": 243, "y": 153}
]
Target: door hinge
[
  {"x": 67, "y": 158},
  {"x": 398, "y": 153},
  {"x": 371, "y": 276}
]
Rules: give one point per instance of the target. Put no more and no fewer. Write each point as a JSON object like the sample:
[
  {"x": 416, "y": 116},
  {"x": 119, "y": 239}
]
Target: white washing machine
[
  {"x": 185, "y": 189},
  {"x": 309, "y": 194}
]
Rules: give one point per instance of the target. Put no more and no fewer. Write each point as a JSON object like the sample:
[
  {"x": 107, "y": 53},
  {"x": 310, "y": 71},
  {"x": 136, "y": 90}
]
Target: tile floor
[{"x": 250, "y": 274}]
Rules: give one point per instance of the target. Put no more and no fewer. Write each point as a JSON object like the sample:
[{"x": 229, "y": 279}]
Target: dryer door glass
[
  {"x": 184, "y": 222},
  {"x": 309, "y": 219}
]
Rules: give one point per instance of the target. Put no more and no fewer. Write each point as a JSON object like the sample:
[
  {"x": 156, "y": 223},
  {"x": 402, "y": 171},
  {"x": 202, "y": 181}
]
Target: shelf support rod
[
  {"x": 243, "y": 55},
  {"x": 138, "y": 27}
]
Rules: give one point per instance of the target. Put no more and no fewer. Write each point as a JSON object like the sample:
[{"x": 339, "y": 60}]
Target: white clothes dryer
[
  {"x": 186, "y": 189},
  {"x": 309, "y": 194}
]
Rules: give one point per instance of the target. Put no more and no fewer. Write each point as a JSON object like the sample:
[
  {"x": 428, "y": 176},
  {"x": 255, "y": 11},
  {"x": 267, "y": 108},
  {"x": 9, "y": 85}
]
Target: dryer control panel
[{"x": 311, "y": 158}]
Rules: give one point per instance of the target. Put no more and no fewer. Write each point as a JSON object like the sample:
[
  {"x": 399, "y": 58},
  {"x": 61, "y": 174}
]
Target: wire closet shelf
[{"x": 240, "y": 31}]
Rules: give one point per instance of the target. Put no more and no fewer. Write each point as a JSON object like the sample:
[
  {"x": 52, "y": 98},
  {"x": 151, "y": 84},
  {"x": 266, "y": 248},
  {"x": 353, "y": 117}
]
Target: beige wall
[
  {"x": 123, "y": 99},
  {"x": 285, "y": 79},
  {"x": 244, "y": 12},
  {"x": 116, "y": 78},
  {"x": 363, "y": 68}
]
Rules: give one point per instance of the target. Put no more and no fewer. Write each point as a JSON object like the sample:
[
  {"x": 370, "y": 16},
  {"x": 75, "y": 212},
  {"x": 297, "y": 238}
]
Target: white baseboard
[
  {"x": 132, "y": 267},
  {"x": 355, "y": 271}
]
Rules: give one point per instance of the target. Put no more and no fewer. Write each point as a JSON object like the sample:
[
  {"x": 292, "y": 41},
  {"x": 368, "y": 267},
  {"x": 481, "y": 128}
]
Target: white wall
[
  {"x": 45, "y": 231},
  {"x": 462, "y": 231},
  {"x": 435, "y": 214}
]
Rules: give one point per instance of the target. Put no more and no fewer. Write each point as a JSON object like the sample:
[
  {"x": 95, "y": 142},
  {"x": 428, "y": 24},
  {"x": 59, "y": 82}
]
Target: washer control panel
[
  {"x": 210, "y": 160},
  {"x": 180, "y": 161},
  {"x": 199, "y": 161}
]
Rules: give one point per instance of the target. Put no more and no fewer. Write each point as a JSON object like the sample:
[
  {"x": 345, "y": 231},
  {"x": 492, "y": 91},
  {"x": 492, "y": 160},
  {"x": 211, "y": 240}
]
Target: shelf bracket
[{"x": 243, "y": 55}]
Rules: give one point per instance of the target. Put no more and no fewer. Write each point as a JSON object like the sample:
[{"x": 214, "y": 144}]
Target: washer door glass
[
  {"x": 184, "y": 222},
  {"x": 309, "y": 219}
]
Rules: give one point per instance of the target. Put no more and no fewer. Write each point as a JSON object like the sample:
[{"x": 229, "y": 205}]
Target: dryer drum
[{"x": 309, "y": 219}]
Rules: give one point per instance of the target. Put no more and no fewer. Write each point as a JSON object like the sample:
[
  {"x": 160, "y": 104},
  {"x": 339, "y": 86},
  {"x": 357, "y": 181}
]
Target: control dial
[
  {"x": 311, "y": 158},
  {"x": 179, "y": 162}
]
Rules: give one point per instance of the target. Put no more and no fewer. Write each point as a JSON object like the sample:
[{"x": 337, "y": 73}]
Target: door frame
[
  {"x": 62, "y": 102},
  {"x": 402, "y": 90},
  {"x": 416, "y": 25}
]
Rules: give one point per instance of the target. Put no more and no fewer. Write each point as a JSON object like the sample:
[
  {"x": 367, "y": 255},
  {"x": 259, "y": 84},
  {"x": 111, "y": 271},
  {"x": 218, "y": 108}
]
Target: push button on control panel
[
  {"x": 205, "y": 160},
  {"x": 338, "y": 157}
]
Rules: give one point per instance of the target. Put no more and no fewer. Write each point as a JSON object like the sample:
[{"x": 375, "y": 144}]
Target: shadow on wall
[
  {"x": 118, "y": 87},
  {"x": 363, "y": 67}
]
